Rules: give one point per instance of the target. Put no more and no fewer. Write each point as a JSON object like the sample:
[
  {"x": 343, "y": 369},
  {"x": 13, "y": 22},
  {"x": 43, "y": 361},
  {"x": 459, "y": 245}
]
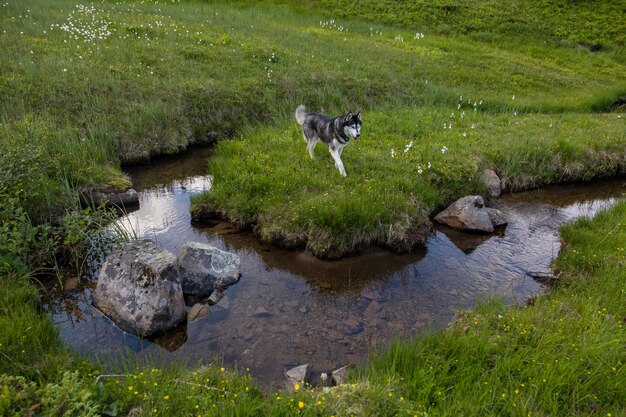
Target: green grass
[
  {"x": 591, "y": 24},
  {"x": 561, "y": 356},
  {"x": 160, "y": 76},
  {"x": 266, "y": 178},
  {"x": 564, "y": 355},
  {"x": 171, "y": 74}
]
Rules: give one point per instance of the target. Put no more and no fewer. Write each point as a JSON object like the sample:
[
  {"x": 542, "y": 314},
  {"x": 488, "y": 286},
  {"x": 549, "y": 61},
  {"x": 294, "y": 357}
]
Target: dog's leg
[
  {"x": 335, "y": 154},
  {"x": 311, "y": 146}
]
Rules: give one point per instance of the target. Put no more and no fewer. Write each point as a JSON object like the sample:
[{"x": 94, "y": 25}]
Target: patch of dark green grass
[{"x": 592, "y": 25}]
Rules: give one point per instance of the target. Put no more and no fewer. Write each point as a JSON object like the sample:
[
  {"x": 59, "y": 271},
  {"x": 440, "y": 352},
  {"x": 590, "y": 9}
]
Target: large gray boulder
[
  {"x": 139, "y": 289},
  {"x": 469, "y": 213},
  {"x": 204, "y": 267}
]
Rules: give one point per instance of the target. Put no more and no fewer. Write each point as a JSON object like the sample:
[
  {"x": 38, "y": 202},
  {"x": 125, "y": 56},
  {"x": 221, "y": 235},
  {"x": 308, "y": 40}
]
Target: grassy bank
[
  {"x": 86, "y": 88},
  {"x": 511, "y": 105},
  {"x": 564, "y": 355},
  {"x": 407, "y": 164},
  {"x": 561, "y": 356}
]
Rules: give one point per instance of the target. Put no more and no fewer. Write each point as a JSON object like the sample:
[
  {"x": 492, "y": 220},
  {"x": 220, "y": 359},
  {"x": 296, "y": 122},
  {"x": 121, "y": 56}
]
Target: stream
[{"x": 290, "y": 308}]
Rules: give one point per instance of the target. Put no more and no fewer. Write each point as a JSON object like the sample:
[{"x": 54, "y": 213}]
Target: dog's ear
[
  {"x": 358, "y": 116},
  {"x": 347, "y": 117}
]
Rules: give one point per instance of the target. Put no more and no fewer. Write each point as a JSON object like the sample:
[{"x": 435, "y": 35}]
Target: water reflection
[{"x": 290, "y": 308}]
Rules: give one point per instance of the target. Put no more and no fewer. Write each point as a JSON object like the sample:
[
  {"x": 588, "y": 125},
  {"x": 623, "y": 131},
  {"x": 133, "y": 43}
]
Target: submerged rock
[
  {"x": 198, "y": 311},
  {"x": 138, "y": 289},
  {"x": 469, "y": 213},
  {"x": 215, "y": 296},
  {"x": 204, "y": 267},
  {"x": 261, "y": 312}
]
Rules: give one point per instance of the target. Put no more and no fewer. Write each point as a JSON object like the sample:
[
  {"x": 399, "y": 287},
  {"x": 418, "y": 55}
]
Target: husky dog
[{"x": 335, "y": 132}]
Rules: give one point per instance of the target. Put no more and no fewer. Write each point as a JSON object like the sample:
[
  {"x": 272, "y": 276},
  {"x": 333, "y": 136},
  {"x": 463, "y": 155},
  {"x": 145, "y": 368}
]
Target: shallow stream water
[{"x": 290, "y": 308}]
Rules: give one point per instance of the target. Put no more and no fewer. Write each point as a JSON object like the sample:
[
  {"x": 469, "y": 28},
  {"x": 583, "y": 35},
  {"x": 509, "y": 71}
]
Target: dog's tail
[{"x": 300, "y": 114}]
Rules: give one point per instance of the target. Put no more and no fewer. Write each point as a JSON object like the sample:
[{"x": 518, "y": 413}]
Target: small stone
[
  {"x": 298, "y": 374},
  {"x": 544, "y": 277},
  {"x": 371, "y": 294},
  {"x": 125, "y": 199},
  {"x": 493, "y": 183},
  {"x": 204, "y": 268},
  {"x": 70, "y": 284},
  {"x": 497, "y": 217},
  {"x": 248, "y": 337},
  {"x": 303, "y": 310},
  {"x": 467, "y": 213},
  {"x": 340, "y": 375},
  {"x": 224, "y": 228},
  {"x": 372, "y": 308},
  {"x": 419, "y": 325},
  {"x": 261, "y": 312},
  {"x": 198, "y": 311},
  {"x": 215, "y": 296},
  {"x": 352, "y": 326}
]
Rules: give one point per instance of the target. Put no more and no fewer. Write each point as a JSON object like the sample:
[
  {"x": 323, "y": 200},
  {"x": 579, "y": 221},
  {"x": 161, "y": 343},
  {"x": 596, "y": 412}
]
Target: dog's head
[{"x": 352, "y": 125}]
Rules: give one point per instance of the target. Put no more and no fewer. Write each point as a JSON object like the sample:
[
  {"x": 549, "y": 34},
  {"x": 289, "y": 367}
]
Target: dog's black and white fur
[{"x": 336, "y": 132}]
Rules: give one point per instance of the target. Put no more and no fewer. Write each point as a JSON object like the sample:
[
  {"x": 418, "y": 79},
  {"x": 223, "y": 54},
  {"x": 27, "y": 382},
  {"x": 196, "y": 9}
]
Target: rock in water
[
  {"x": 204, "y": 267},
  {"x": 469, "y": 213},
  {"x": 298, "y": 375},
  {"x": 198, "y": 311},
  {"x": 138, "y": 289},
  {"x": 340, "y": 375},
  {"x": 497, "y": 217}
]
